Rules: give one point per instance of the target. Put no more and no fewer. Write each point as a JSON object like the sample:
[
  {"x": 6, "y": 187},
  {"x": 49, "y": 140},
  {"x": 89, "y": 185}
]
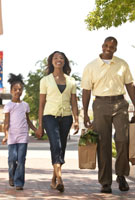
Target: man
[{"x": 106, "y": 77}]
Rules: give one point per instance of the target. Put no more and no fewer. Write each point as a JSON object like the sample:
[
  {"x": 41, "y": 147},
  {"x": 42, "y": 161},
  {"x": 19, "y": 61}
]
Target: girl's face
[
  {"x": 58, "y": 61},
  {"x": 16, "y": 92}
]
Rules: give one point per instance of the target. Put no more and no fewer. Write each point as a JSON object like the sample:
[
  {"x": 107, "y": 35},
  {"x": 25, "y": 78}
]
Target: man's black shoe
[
  {"x": 106, "y": 189},
  {"x": 123, "y": 185}
]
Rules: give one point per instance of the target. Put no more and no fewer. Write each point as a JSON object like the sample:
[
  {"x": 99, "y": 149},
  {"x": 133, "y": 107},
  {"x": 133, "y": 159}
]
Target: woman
[{"x": 57, "y": 97}]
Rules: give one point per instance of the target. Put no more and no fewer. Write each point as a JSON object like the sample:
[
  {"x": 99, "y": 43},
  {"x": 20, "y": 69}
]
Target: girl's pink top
[{"x": 18, "y": 127}]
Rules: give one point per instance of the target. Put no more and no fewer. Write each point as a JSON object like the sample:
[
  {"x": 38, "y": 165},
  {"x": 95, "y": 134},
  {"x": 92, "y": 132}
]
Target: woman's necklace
[
  {"x": 59, "y": 80},
  {"x": 56, "y": 77}
]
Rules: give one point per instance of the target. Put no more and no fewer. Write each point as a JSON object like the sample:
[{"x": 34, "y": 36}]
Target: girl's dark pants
[{"x": 16, "y": 162}]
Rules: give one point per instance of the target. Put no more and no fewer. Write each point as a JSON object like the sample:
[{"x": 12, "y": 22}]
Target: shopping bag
[
  {"x": 87, "y": 156},
  {"x": 132, "y": 143},
  {"x": 87, "y": 148}
]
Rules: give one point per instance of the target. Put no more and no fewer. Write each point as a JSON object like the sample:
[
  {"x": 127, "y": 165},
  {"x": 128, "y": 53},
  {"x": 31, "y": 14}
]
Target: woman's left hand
[
  {"x": 76, "y": 127},
  {"x": 39, "y": 132}
]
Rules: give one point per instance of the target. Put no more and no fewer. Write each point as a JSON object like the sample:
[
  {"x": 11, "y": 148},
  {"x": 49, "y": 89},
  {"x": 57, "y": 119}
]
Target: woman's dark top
[{"x": 61, "y": 87}]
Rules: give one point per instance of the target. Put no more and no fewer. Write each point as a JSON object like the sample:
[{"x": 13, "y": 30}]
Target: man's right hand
[{"x": 87, "y": 122}]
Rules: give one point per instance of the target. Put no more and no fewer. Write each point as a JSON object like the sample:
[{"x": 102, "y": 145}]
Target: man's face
[{"x": 108, "y": 48}]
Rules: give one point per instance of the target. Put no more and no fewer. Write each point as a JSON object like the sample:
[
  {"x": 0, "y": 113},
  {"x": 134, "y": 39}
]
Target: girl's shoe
[
  {"x": 11, "y": 182},
  {"x": 19, "y": 188}
]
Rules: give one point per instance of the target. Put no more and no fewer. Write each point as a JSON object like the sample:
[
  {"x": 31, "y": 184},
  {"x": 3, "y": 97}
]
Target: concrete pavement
[{"x": 79, "y": 184}]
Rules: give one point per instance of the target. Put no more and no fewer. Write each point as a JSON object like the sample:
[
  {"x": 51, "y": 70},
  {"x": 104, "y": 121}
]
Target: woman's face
[{"x": 58, "y": 61}]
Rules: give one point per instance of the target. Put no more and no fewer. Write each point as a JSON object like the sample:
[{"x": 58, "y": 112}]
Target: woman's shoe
[
  {"x": 57, "y": 170},
  {"x": 53, "y": 186},
  {"x": 53, "y": 182},
  {"x": 60, "y": 187}
]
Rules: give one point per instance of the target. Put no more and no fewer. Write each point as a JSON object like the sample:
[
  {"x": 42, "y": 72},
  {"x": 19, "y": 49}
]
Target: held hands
[
  {"x": 76, "y": 128},
  {"x": 39, "y": 132}
]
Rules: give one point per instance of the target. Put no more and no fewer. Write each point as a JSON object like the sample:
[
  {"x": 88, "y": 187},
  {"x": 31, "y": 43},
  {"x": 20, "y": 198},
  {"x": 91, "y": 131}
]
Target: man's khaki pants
[{"x": 106, "y": 113}]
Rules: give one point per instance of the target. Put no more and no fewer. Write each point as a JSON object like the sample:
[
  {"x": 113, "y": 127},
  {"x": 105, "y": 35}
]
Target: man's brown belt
[{"x": 111, "y": 98}]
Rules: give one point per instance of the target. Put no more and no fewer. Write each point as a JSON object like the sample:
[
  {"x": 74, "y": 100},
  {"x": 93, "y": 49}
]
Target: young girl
[{"x": 16, "y": 126}]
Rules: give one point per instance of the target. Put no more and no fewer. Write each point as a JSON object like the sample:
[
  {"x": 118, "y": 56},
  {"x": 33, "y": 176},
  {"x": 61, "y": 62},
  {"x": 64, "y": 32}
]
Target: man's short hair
[{"x": 111, "y": 38}]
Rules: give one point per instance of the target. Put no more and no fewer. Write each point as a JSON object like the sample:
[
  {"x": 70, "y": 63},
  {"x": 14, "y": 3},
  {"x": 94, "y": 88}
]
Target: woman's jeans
[
  {"x": 57, "y": 129},
  {"x": 16, "y": 163}
]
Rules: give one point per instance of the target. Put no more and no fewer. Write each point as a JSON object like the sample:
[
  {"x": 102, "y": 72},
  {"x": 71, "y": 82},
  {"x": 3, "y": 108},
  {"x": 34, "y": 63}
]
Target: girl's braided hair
[{"x": 13, "y": 79}]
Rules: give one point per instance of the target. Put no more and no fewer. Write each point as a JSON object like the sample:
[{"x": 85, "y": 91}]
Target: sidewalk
[{"x": 79, "y": 184}]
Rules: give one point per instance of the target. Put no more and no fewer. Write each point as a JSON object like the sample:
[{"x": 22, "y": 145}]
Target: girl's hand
[
  {"x": 4, "y": 141},
  {"x": 76, "y": 127},
  {"x": 39, "y": 132}
]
